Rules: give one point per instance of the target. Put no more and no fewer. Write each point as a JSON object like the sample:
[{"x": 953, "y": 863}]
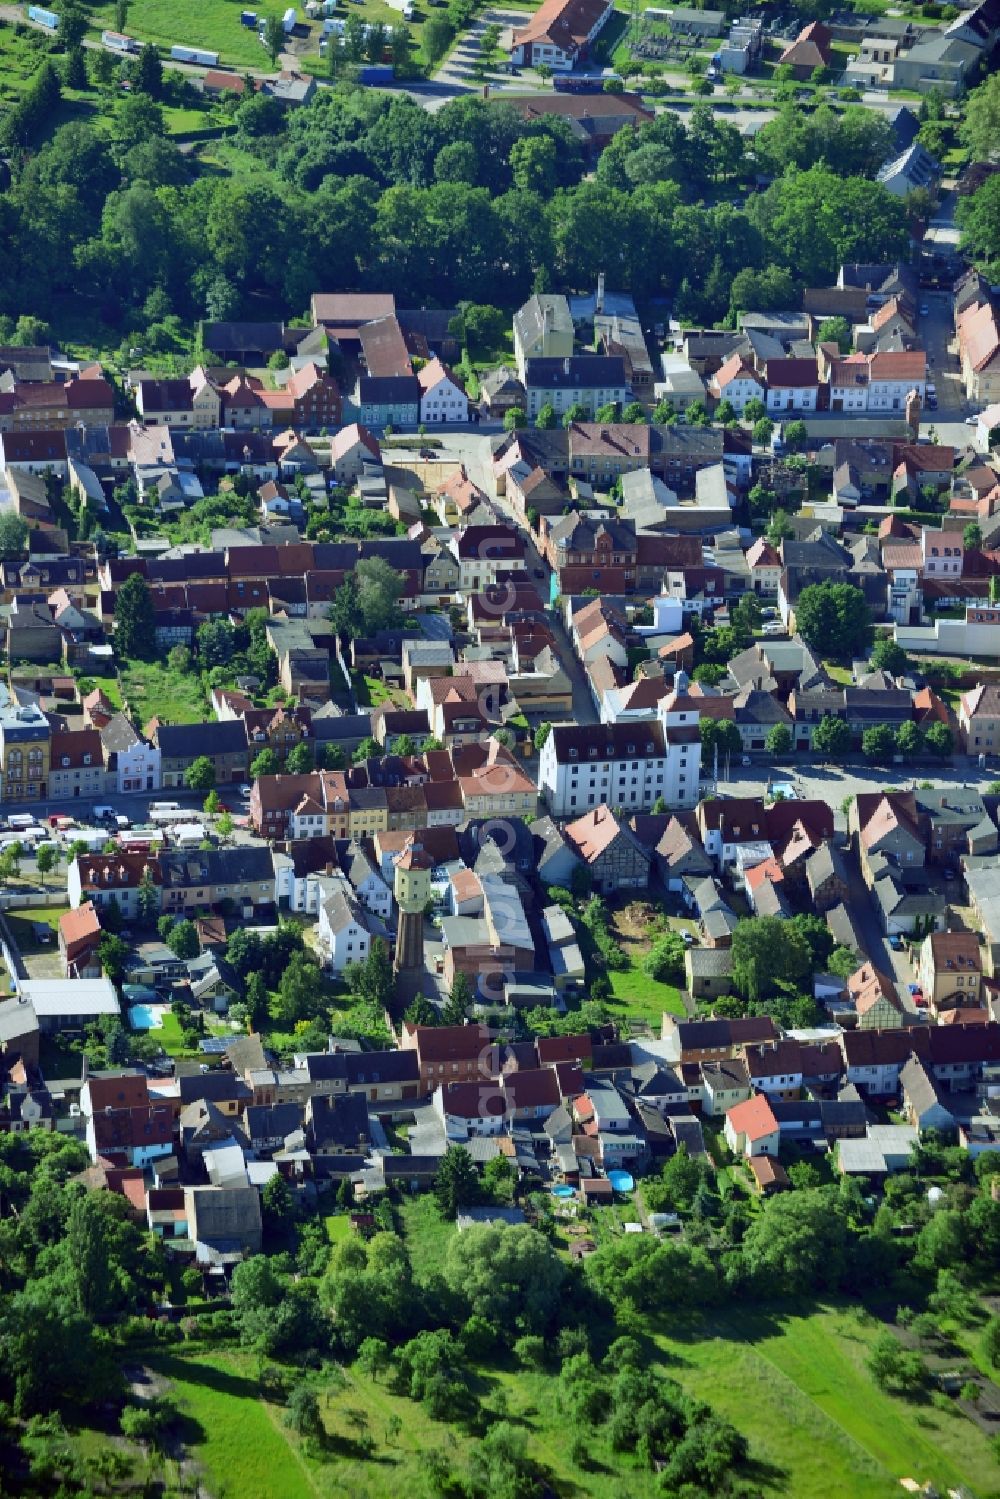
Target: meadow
[
  {"x": 793, "y": 1381},
  {"x": 796, "y": 1384}
]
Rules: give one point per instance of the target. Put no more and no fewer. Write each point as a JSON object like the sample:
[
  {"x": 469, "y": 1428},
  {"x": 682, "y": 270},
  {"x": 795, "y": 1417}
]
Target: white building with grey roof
[{"x": 343, "y": 930}]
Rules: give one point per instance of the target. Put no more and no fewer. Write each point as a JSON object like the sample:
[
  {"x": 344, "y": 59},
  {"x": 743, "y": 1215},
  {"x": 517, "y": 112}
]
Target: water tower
[{"x": 412, "y": 889}]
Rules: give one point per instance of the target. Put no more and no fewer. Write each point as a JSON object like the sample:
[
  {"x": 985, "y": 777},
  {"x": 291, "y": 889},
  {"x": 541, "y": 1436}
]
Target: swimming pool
[
  {"x": 621, "y": 1181},
  {"x": 146, "y": 1017}
]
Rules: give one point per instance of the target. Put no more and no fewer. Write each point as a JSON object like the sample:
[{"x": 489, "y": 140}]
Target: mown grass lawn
[
  {"x": 22, "y": 926},
  {"x": 152, "y": 689},
  {"x": 180, "y": 121},
  {"x": 831, "y": 1431},
  {"x": 427, "y": 1234},
  {"x": 638, "y": 997},
  {"x": 338, "y": 1227},
  {"x": 171, "y": 1037},
  {"x": 210, "y": 24}
]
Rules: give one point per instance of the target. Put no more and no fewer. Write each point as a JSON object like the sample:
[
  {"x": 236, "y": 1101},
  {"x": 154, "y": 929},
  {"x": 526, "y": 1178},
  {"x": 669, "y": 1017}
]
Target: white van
[
  {"x": 164, "y": 806},
  {"x": 190, "y": 835}
]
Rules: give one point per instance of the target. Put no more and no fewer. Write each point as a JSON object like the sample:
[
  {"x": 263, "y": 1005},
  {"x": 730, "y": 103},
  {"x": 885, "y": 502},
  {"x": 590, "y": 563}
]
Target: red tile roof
[{"x": 754, "y": 1118}]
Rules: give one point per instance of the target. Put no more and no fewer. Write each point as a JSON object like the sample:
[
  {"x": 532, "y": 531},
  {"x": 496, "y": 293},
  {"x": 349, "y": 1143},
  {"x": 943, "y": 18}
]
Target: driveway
[
  {"x": 460, "y": 67},
  {"x": 896, "y": 964},
  {"x": 937, "y": 332}
]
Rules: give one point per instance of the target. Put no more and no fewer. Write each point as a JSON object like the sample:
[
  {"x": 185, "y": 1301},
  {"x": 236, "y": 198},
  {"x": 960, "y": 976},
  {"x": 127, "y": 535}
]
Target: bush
[{"x": 530, "y": 1351}]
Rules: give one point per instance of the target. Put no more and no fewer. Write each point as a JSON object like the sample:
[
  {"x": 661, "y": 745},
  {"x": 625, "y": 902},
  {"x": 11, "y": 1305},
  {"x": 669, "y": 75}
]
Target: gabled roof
[
  {"x": 593, "y": 834},
  {"x": 566, "y": 23},
  {"x": 754, "y": 1118}
]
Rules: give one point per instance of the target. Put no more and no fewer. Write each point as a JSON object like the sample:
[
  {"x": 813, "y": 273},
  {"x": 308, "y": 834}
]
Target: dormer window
[
  {"x": 65, "y": 761},
  {"x": 574, "y": 754}
]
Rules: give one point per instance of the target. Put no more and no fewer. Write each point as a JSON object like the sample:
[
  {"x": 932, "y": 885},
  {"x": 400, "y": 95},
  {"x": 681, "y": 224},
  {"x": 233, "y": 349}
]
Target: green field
[
  {"x": 234, "y": 1435},
  {"x": 188, "y": 23},
  {"x": 426, "y": 1233},
  {"x": 338, "y": 1227},
  {"x": 638, "y": 997},
  {"x": 375, "y": 1439},
  {"x": 152, "y": 689},
  {"x": 795, "y": 1385},
  {"x": 818, "y": 1425}
]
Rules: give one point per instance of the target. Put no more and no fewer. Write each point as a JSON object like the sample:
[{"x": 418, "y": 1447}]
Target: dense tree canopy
[
  {"x": 471, "y": 203},
  {"x": 766, "y": 951},
  {"x": 834, "y": 618}
]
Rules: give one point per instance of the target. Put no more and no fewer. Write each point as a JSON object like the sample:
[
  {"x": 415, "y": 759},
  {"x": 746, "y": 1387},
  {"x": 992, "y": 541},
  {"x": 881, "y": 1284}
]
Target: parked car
[
  {"x": 972, "y": 421},
  {"x": 774, "y": 627},
  {"x": 896, "y": 943},
  {"x": 245, "y": 792}
]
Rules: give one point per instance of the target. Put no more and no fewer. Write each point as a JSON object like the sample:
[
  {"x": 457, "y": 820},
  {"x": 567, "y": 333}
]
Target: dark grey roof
[
  {"x": 246, "y": 336},
  {"x": 326, "y": 1066},
  {"x": 341, "y": 1121},
  {"x": 826, "y": 862},
  {"x": 579, "y": 372},
  {"x": 212, "y": 1087},
  {"x": 919, "y": 1087},
  {"x": 242, "y": 864},
  {"x": 753, "y": 705},
  {"x": 189, "y": 740},
  {"x": 270, "y": 1121},
  {"x": 369, "y": 1068},
  {"x": 224, "y": 1214},
  {"x": 389, "y": 390},
  {"x": 710, "y": 962},
  {"x": 329, "y": 729},
  {"x": 824, "y": 553}
]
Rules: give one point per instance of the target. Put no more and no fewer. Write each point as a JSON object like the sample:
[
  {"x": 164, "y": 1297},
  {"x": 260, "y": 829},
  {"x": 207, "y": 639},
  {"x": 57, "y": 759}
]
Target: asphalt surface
[{"x": 815, "y": 781}]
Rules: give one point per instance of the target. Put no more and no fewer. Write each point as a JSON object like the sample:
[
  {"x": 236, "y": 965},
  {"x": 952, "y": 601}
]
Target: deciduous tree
[
  {"x": 200, "y": 774},
  {"x": 834, "y": 618},
  {"x": 831, "y": 737},
  {"x": 766, "y": 952}
]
